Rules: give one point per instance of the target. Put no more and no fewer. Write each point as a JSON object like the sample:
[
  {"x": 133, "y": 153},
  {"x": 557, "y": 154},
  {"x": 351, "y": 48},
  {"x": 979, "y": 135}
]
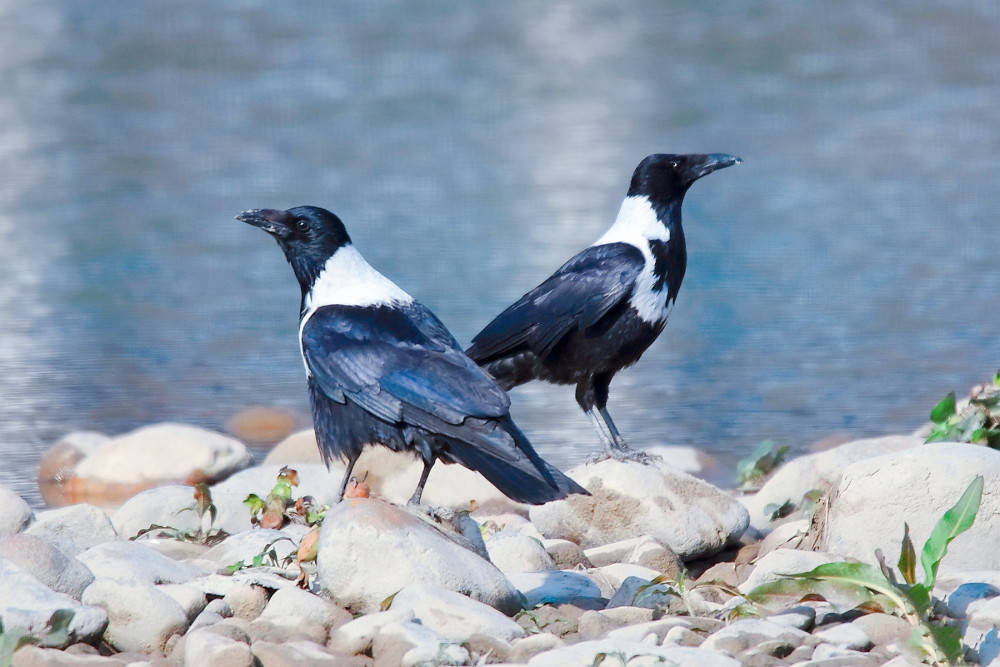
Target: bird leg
[
  {"x": 599, "y": 426},
  {"x": 415, "y": 498},
  {"x": 619, "y": 449},
  {"x": 347, "y": 477}
]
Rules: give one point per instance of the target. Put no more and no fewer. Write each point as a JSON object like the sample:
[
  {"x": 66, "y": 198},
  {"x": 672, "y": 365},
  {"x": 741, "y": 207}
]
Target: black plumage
[
  {"x": 604, "y": 307},
  {"x": 383, "y": 369}
]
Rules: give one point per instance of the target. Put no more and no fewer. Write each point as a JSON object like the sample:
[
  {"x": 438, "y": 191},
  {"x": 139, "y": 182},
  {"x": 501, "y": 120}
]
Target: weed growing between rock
[
  {"x": 206, "y": 533},
  {"x": 977, "y": 422},
  {"x": 861, "y": 585}
]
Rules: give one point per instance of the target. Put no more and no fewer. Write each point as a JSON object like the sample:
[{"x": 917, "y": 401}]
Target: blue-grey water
[{"x": 841, "y": 280}]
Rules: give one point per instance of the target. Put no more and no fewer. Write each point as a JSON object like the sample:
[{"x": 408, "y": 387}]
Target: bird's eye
[
  {"x": 672, "y": 165},
  {"x": 302, "y": 225}
]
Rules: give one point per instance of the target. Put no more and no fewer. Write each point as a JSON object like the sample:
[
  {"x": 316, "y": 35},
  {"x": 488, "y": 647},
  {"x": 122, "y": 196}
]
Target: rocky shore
[{"x": 178, "y": 551}]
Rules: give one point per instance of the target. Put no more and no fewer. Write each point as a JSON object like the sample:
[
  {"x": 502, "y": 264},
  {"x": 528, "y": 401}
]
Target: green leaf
[
  {"x": 57, "y": 633},
  {"x": 842, "y": 595},
  {"x": 949, "y": 638},
  {"x": 258, "y": 560},
  {"x": 282, "y": 489},
  {"x": 920, "y": 596},
  {"x": 944, "y": 409},
  {"x": 253, "y": 503},
  {"x": 955, "y": 521},
  {"x": 907, "y": 557},
  {"x": 859, "y": 574},
  {"x": 238, "y": 565},
  {"x": 386, "y": 603}
]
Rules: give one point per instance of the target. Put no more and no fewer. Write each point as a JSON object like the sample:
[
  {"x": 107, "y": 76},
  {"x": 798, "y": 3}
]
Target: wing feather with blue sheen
[{"x": 578, "y": 295}]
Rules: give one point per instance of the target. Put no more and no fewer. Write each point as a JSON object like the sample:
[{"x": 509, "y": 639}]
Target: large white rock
[
  {"x": 876, "y": 496},
  {"x": 357, "y": 636},
  {"x": 411, "y": 644},
  {"x": 42, "y": 560},
  {"x": 634, "y": 654},
  {"x": 370, "y": 549},
  {"x": 27, "y": 605},
  {"x": 165, "y": 452},
  {"x": 818, "y": 471},
  {"x": 134, "y": 561},
  {"x": 454, "y": 615},
  {"x": 15, "y": 514},
  {"x": 73, "y": 529},
  {"x": 293, "y": 605},
  {"x": 206, "y": 648},
  {"x": 140, "y": 617},
  {"x": 630, "y": 500}
]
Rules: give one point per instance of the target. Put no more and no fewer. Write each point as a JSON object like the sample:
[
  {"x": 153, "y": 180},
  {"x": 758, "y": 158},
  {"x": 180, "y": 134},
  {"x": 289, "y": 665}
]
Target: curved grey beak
[
  {"x": 713, "y": 162},
  {"x": 270, "y": 220}
]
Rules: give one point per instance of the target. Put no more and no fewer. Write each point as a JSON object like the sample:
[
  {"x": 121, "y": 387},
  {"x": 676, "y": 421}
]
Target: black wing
[
  {"x": 383, "y": 361},
  {"x": 576, "y": 296}
]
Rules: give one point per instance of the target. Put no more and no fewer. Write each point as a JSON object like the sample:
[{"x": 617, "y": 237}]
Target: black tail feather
[{"x": 527, "y": 479}]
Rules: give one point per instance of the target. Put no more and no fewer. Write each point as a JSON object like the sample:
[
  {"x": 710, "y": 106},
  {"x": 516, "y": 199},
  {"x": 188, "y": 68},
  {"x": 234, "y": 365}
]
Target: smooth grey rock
[
  {"x": 515, "y": 552},
  {"x": 658, "y": 629},
  {"x": 219, "y": 585},
  {"x": 884, "y": 628},
  {"x": 45, "y": 562},
  {"x": 554, "y": 587},
  {"x": 191, "y": 600},
  {"x": 682, "y": 636},
  {"x": 636, "y": 654},
  {"x": 845, "y": 635},
  {"x": 410, "y": 644},
  {"x": 788, "y": 535},
  {"x": 165, "y": 452},
  {"x": 34, "y": 656},
  {"x": 246, "y": 600},
  {"x": 524, "y": 649},
  {"x": 566, "y": 555},
  {"x": 27, "y": 604},
  {"x": 613, "y": 575},
  {"x": 140, "y": 617},
  {"x": 958, "y": 600},
  {"x": 799, "y": 616},
  {"x": 637, "y": 592},
  {"x": 741, "y": 635},
  {"x": 293, "y": 605},
  {"x": 73, "y": 529},
  {"x": 616, "y": 552},
  {"x": 881, "y": 487},
  {"x": 818, "y": 471},
  {"x": 134, "y": 561},
  {"x": 784, "y": 561},
  {"x": 357, "y": 635},
  {"x": 454, "y": 615},
  {"x": 204, "y": 648},
  {"x": 388, "y": 548},
  {"x": 291, "y": 653},
  {"x": 15, "y": 513},
  {"x": 631, "y": 500}
]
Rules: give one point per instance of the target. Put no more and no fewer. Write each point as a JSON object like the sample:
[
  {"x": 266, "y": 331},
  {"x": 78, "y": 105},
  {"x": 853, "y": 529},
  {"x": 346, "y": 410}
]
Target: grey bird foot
[{"x": 625, "y": 455}]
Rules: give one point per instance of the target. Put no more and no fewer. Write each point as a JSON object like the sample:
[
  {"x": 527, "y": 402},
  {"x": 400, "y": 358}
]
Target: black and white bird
[
  {"x": 600, "y": 311},
  {"x": 383, "y": 369}
]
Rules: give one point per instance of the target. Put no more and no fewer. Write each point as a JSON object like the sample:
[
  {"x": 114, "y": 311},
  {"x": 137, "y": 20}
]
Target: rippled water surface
[{"x": 840, "y": 281}]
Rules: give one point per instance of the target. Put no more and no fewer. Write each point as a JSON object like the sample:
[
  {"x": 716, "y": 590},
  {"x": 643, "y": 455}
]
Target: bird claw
[{"x": 625, "y": 455}]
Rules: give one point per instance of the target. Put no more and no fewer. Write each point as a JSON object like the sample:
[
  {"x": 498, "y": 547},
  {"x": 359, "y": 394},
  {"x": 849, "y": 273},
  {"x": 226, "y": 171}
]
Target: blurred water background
[{"x": 841, "y": 280}]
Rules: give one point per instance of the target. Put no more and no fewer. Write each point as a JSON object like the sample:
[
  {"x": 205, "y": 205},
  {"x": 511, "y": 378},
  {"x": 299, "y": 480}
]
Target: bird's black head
[
  {"x": 308, "y": 235},
  {"x": 665, "y": 178}
]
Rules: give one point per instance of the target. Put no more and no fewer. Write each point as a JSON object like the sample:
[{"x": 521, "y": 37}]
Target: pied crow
[
  {"x": 600, "y": 311},
  {"x": 381, "y": 368}
]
